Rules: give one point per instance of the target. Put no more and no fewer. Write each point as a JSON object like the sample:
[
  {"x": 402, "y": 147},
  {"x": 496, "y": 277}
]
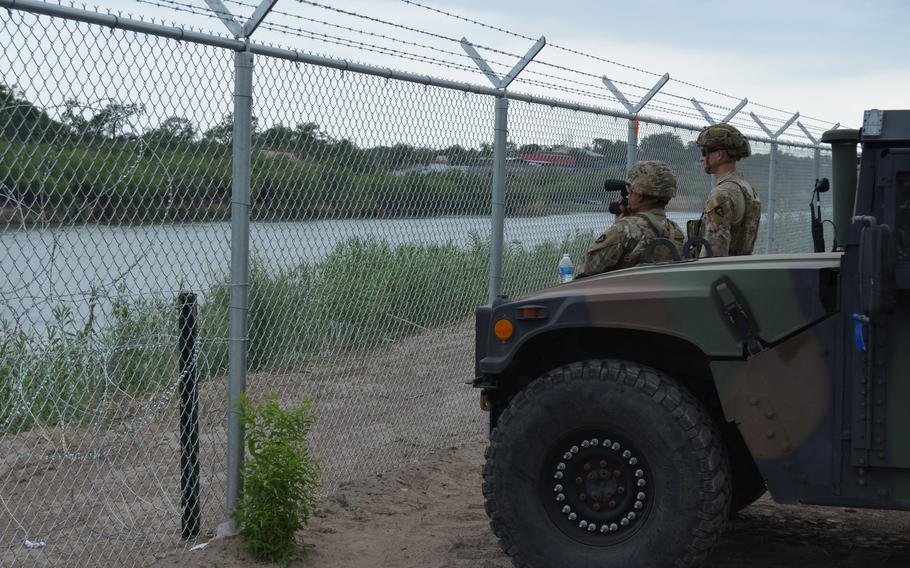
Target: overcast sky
[{"x": 827, "y": 59}]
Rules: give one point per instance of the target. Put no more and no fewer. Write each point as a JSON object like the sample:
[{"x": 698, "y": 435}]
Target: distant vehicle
[{"x": 631, "y": 413}]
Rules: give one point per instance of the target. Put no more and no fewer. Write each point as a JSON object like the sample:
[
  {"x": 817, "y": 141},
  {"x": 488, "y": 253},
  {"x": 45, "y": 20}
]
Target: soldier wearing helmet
[
  {"x": 729, "y": 221},
  {"x": 651, "y": 186}
]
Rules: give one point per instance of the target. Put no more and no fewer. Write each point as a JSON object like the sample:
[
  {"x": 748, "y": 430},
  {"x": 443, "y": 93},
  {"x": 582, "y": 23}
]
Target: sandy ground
[
  {"x": 111, "y": 497},
  {"x": 430, "y": 514}
]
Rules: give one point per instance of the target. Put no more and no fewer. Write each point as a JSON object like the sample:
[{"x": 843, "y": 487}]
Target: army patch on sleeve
[{"x": 601, "y": 238}]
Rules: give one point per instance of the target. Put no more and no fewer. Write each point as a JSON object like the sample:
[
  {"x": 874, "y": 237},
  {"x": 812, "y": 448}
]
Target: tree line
[{"x": 91, "y": 165}]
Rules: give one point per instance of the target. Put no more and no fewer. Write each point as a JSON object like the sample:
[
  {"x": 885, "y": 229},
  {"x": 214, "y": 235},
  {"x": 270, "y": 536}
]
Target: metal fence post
[
  {"x": 188, "y": 329},
  {"x": 769, "y": 241},
  {"x": 632, "y": 139},
  {"x": 769, "y": 238},
  {"x": 499, "y": 194},
  {"x": 240, "y": 249},
  {"x": 500, "y": 140},
  {"x": 632, "y": 143}
]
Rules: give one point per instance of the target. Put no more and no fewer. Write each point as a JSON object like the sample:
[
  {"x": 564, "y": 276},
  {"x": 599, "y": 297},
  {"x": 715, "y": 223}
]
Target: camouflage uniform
[
  {"x": 624, "y": 244},
  {"x": 730, "y": 219},
  {"x": 732, "y": 212}
]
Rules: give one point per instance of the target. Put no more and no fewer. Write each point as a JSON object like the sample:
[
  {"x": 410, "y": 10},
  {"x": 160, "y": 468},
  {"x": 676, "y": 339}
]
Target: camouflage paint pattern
[
  {"x": 730, "y": 218},
  {"x": 623, "y": 245},
  {"x": 822, "y": 404}
]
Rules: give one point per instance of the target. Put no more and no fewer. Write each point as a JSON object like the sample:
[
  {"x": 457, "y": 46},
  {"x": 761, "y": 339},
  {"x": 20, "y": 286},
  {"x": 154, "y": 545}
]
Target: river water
[{"x": 44, "y": 268}]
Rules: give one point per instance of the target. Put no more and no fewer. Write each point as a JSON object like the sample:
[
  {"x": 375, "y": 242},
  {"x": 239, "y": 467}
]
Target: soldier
[
  {"x": 729, "y": 221},
  {"x": 651, "y": 186}
]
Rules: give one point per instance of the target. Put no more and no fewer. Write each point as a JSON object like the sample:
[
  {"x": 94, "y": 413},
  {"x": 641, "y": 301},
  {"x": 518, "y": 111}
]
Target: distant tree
[
  {"x": 665, "y": 146},
  {"x": 528, "y": 148},
  {"x": 172, "y": 131},
  {"x": 20, "y": 119},
  {"x": 223, "y": 132},
  {"x": 108, "y": 122},
  {"x": 612, "y": 150}
]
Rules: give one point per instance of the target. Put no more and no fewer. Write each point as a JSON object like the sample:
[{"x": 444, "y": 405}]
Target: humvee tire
[{"x": 609, "y": 464}]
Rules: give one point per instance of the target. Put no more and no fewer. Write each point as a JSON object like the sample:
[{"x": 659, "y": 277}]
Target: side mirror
[{"x": 877, "y": 262}]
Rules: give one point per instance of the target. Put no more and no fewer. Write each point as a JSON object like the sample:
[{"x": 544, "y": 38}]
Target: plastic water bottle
[{"x": 566, "y": 270}]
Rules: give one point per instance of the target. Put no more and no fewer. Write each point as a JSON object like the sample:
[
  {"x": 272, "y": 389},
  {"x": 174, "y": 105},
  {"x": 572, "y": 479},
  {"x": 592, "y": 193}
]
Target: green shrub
[{"x": 280, "y": 478}]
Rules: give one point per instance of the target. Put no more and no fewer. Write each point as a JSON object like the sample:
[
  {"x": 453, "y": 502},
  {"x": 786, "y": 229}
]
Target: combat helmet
[
  {"x": 653, "y": 179},
  {"x": 725, "y": 136}
]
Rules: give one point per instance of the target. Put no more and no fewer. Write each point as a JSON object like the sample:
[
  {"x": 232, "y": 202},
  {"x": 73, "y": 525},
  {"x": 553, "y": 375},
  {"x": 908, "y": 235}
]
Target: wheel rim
[{"x": 596, "y": 488}]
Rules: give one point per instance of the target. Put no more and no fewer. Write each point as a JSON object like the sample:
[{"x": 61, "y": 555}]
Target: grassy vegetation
[{"x": 363, "y": 295}]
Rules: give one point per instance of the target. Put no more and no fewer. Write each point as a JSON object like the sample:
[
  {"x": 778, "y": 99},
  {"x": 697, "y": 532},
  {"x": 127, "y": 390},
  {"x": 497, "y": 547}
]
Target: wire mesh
[
  {"x": 370, "y": 248},
  {"x": 112, "y": 202}
]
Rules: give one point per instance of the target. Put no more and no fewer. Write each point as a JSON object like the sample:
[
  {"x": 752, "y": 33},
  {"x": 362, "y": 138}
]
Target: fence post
[
  {"x": 188, "y": 330},
  {"x": 240, "y": 249},
  {"x": 500, "y": 141},
  {"x": 817, "y": 153},
  {"x": 769, "y": 242},
  {"x": 632, "y": 140}
]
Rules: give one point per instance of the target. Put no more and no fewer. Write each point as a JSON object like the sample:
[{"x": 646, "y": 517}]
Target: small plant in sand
[{"x": 280, "y": 478}]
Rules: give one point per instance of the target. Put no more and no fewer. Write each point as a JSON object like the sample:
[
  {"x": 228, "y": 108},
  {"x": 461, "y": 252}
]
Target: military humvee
[{"x": 631, "y": 413}]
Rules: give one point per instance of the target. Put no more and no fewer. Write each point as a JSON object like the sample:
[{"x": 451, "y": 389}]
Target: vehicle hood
[{"x": 783, "y": 293}]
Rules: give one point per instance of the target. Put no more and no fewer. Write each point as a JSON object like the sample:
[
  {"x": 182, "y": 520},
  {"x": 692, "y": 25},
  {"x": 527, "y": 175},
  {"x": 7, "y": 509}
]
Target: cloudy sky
[{"x": 827, "y": 59}]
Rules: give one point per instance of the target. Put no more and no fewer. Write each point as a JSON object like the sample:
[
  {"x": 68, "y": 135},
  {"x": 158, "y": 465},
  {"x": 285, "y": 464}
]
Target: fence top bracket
[
  {"x": 247, "y": 29},
  {"x": 636, "y": 108},
  {"x": 502, "y": 83},
  {"x": 774, "y": 135},
  {"x": 733, "y": 112}
]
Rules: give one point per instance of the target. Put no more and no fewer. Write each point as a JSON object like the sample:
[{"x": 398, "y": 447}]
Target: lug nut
[
  {"x": 633, "y": 461},
  {"x": 642, "y": 482},
  {"x": 617, "y": 474},
  {"x": 626, "y": 454},
  {"x": 621, "y": 489},
  {"x": 582, "y": 497},
  {"x": 572, "y": 516},
  {"x": 579, "y": 480},
  {"x": 640, "y": 496},
  {"x": 586, "y": 467},
  {"x": 595, "y": 507},
  {"x": 611, "y": 504}
]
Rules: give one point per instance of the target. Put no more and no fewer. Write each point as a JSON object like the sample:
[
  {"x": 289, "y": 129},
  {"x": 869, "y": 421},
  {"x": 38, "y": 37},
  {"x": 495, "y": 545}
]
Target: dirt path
[{"x": 430, "y": 514}]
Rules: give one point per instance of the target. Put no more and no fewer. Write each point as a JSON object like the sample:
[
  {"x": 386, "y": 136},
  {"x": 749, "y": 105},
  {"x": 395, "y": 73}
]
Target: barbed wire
[
  {"x": 676, "y": 109},
  {"x": 590, "y": 56}
]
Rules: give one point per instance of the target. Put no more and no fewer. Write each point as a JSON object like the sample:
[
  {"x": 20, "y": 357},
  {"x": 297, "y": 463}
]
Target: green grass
[{"x": 363, "y": 295}]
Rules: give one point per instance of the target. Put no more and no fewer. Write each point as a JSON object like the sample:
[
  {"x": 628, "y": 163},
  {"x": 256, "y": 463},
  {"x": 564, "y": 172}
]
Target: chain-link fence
[{"x": 369, "y": 247}]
